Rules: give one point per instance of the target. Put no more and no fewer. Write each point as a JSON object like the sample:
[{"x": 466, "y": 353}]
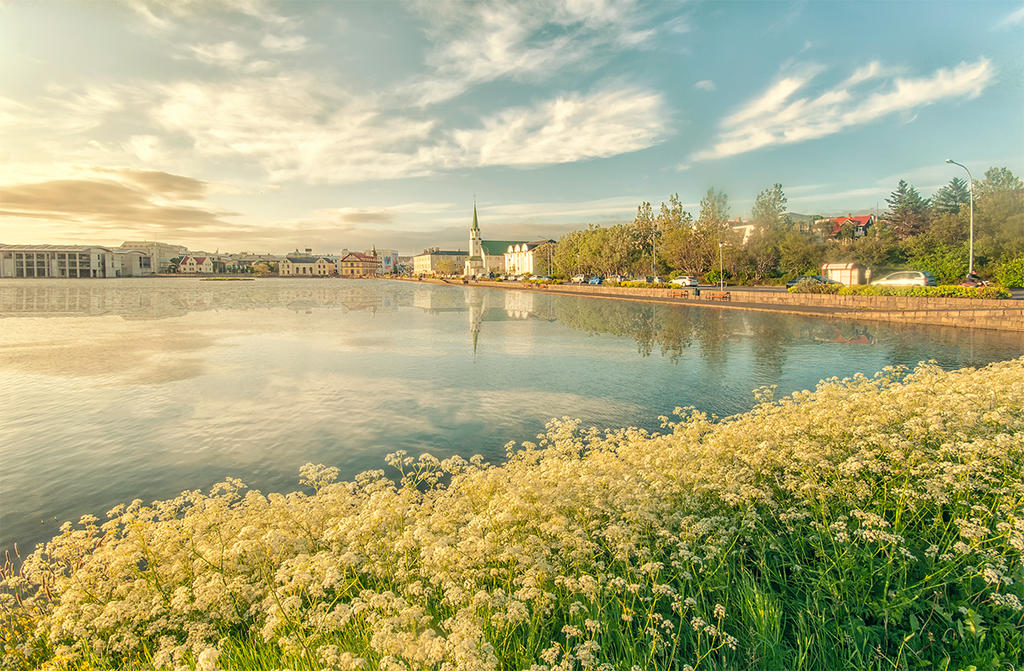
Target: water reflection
[{"x": 117, "y": 389}]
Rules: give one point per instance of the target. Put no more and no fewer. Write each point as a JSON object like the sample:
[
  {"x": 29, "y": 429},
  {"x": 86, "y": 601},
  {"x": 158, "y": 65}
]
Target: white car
[
  {"x": 579, "y": 279},
  {"x": 685, "y": 281},
  {"x": 908, "y": 278}
]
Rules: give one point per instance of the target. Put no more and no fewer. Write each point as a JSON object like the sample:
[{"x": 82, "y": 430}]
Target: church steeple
[{"x": 475, "y": 226}]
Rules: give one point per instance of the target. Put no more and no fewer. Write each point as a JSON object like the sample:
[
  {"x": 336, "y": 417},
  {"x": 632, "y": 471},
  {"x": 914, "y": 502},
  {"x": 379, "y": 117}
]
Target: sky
[{"x": 261, "y": 126}]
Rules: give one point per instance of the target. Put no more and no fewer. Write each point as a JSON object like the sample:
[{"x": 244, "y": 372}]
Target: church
[{"x": 486, "y": 256}]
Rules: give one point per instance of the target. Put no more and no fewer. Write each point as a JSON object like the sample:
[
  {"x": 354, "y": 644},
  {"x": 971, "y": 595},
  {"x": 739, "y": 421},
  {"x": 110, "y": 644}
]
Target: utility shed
[{"x": 847, "y": 273}]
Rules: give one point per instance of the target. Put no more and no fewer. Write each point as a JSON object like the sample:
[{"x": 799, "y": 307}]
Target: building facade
[
  {"x": 71, "y": 261},
  {"x": 436, "y": 261},
  {"x": 306, "y": 266},
  {"x": 160, "y": 253},
  {"x": 355, "y": 264},
  {"x": 522, "y": 259},
  {"x": 194, "y": 265}
]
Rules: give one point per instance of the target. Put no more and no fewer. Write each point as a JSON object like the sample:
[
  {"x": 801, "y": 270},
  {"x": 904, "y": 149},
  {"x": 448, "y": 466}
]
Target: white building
[
  {"x": 71, "y": 261},
  {"x": 306, "y": 266},
  {"x": 485, "y": 256},
  {"x": 387, "y": 260},
  {"x": 521, "y": 258},
  {"x": 160, "y": 253}
]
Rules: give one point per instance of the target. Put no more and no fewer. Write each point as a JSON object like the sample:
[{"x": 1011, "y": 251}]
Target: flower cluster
[{"x": 872, "y": 518}]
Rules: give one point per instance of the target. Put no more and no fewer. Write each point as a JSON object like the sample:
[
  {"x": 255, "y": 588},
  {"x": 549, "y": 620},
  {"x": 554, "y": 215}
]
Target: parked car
[
  {"x": 595, "y": 280},
  {"x": 813, "y": 279},
  {"x": 616, "y": 278},
  {"x": 973, "y": 280},
  {"x": 908, "y": 278},
  {"x": 685, "y": 281},
  {"x": 579, "y": 279}
]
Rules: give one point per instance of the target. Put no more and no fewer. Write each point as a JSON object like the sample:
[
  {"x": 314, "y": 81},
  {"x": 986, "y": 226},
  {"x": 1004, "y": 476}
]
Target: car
[
  {"x": 616, "y": 278},
  {"x": 813, "y": 279},
  {"x": 973, "y": 280},
  {"x": 685, "y": 281},
  {"x": 907, "y": 278},
  {"x": 595, "y": 280},
  {"x": 578, "y": 279}
]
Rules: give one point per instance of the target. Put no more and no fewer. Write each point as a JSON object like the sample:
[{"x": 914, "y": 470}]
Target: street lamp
[
  {"x": 970, "y": 184},
  {"x": 721, "y": 267}
]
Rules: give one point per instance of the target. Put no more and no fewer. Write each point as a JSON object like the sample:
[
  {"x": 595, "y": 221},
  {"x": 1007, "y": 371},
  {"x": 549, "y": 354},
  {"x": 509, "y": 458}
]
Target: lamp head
[{"x": 949, "y": 160}]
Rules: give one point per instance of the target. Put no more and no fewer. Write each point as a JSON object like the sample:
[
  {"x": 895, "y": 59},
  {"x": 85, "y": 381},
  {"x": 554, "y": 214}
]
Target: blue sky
[{"x": 250, "y": 125}]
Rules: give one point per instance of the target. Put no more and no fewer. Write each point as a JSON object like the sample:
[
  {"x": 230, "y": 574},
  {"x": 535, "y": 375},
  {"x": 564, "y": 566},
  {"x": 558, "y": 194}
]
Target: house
[
  {"x": 306, "y": 266},
  {"x": 743, "y": 229},
  {"x": 191, "y": 265},
  {"x": 857, "y": 225},
  {"x": 521, "y": 258},
  {"x": 356, "y": 264}
]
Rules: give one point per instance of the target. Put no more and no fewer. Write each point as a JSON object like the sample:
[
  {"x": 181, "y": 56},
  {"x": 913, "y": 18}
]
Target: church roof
[
  {"x": 498, "y": 247},
  {"x": 475, "y": 226}
]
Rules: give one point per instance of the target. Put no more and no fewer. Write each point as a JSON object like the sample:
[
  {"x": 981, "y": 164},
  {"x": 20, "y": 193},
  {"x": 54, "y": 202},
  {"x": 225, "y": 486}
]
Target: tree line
[{"x": 914, "y": 232}]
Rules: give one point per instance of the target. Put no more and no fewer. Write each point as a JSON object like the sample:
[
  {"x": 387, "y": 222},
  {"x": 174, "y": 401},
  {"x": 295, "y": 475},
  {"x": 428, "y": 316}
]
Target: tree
[
  {"x": 950, "y": 197},
  {"x": 908, "y": 211},
  {"x": 645, "y": 229},
  {"x": 769, "y": 207},
  {"x": 997, "y": 180},
  {"x": 714, "y": 210}
]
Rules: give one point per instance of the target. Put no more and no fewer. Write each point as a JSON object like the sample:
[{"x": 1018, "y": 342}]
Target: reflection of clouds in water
[{"x": 102, "y": 348}]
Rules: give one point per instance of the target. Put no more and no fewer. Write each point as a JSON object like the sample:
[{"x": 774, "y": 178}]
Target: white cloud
[
  {"x": 284, "y": 43},
  {"x": 705, "y": 85},
  {"x": 481, "y": 42},
  {"x": 773, "y": 118},
  {"x": 224, "y": 54},
  {"x": 297, "y": 127},
  {"x": 1012, "y": 19}
]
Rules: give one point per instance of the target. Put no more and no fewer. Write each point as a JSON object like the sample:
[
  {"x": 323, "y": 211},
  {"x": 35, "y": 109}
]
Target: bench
[
  {"x": 716, "y": 295},
  {"x": 679, "y": 294}
]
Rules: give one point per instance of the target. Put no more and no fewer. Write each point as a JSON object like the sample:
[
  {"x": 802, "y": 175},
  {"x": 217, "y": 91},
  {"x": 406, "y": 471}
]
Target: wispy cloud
[
  {"x": 1012, "y": 19},
  {"x": 705, "y": 85},
  {"x": 480, "y": 42},
  {"x": 145, "y": 201},
  {"x": 297, "y": 127},
  {"x": 776, "y": 118},
  {"x": 224, "y": 54}
]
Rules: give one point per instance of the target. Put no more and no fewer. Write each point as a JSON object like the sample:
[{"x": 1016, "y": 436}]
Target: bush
[
  {"x": 814, "y": 288},
  {"x": 1011, "y": 273},
  {"x": 941, "y": 291},
  {"x": 868, "y": 523}
]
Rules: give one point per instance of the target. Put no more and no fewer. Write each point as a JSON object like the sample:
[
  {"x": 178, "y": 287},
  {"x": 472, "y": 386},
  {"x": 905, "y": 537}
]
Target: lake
[{"x": 112, "y": 390}]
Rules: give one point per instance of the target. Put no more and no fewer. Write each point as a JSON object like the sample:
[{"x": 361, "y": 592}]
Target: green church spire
[{"x": 475, "y": 226}]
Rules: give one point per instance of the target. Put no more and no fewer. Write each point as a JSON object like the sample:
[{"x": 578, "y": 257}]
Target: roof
[
  {"x": 863, "y": 221},
  {"x": 306, "y": 259},
  {"x": 498, "y": 247},
  {"x": 475, "y": 225},
  {"x": 441, "y": 252},
  {"x": 54, "y": 248}
]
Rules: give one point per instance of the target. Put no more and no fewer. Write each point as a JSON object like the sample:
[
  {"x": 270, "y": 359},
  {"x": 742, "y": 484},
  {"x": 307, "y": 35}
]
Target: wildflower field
[{"x": 874, "y": 523}]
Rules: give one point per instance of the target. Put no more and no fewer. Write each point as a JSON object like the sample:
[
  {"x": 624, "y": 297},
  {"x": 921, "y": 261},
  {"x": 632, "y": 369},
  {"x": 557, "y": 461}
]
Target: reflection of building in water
[
  {"x": 170, "y": 298},
  {"x": 491, "y": 306}
]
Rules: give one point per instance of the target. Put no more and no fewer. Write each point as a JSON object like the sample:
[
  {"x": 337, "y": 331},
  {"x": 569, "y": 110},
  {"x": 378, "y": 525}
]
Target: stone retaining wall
[{"x": 969, "y": 313}]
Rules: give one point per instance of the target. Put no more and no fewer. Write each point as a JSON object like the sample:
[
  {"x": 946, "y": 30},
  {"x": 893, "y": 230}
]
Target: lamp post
[
  {"x": 970, "y": 185},
  {"x": 721, "y": 267}
]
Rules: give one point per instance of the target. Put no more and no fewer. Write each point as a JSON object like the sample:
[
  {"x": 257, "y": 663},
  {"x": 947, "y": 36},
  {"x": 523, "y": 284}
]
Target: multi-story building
[
  {"x": 435, "y": 261},
  {"x": 485, "y": 256},
  {"x": 160, "y": 253},
  {"x": 71, "y": 261},
  {"x": 387, "y": 260},
  {"x": 306, "y": 266},
  {"x": 355, "y": 264}
]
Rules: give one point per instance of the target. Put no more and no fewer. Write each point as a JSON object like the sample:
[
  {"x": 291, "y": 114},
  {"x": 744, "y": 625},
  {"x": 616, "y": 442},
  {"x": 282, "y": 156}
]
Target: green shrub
[
  {"x": 1011, "y": 273},
  {"x": 814, "y": 288},
  {"x": 941, "y": 291}
]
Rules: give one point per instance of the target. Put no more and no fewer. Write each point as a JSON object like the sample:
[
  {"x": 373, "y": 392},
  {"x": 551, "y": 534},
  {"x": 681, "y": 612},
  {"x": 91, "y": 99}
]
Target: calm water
[{"x": 118, "y": 389}]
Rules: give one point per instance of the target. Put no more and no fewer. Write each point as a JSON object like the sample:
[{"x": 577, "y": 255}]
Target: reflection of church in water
[{"x": 486, "y": 305}]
